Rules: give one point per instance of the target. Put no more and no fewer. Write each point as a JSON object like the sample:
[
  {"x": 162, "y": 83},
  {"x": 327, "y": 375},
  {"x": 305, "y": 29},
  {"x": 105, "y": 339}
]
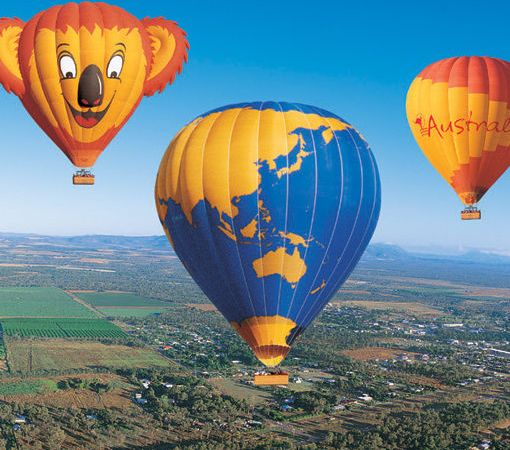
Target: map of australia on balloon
[{"x": 262, "y": 202}]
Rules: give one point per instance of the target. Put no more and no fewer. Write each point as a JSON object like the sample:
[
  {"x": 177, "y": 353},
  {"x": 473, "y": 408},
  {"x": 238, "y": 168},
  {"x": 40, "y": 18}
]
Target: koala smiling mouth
[
  {"x": 90, "y": 95},
  {"x": 89, "y": 118}
]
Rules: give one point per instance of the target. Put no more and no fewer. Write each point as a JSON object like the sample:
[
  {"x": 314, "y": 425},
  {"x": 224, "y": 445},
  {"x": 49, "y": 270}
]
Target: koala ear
[
  {"x": 10, "y": 75},
  {"x": 169, "y": 52}
]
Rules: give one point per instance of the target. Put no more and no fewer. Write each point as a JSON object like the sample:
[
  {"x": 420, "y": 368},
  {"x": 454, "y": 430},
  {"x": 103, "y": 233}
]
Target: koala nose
[{"x": 91, "y": 87}]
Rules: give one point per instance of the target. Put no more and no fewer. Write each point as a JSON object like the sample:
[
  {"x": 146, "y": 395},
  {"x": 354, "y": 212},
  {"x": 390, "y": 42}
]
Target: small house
[{"x": 484, "y": 445}]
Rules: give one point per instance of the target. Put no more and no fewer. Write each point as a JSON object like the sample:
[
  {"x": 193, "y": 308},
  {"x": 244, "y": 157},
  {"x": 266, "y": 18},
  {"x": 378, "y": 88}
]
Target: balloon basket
[
  {"x": 471, "y": 213},
  {"x": 83, "y": 177},
  {"x": 271, "y": 379}
]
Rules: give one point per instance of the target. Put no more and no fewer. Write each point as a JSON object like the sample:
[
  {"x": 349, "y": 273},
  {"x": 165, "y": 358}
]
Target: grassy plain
[
  {"x": 27, "y": 387},
  {"x": 235, "y": 389},
  {"x": 120, "y": 396},
  {"x": 27, "y": 356},
  {"x": 119, "y": 299},
  {"x": 374, "y": 353},
  {"x": 40, "y": 302},
  {"x": 202, "y": 306},
  {"x": 130, "y": 312},
  {"x": 418, "y": 309}
]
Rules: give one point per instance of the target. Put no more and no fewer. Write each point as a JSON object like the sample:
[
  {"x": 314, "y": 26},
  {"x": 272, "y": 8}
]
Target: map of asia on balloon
[{"x": 269, "y": 206}]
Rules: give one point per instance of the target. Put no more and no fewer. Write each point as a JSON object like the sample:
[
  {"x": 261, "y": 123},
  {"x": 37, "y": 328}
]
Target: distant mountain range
[
  {"x": 375, "y": 251},
  {"x": 386, "y": 252},
  {"x": 394, "y": 252},
  {"x": 95, "y": 241}
]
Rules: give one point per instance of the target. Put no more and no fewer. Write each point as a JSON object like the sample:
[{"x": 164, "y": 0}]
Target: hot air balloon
[
  {"x": 269, "y": 206},
  {"x": 81, "y": 70},
  {"x": 458, "y": 111}
]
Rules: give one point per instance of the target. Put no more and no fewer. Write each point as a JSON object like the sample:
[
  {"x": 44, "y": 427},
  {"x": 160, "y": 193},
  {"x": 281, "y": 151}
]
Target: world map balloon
[{"x": 269, "y": 206}]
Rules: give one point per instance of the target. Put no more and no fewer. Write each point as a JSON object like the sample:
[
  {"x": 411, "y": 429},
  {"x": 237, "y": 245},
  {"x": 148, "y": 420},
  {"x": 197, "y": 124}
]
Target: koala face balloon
[{"x": 81, "y": 70}]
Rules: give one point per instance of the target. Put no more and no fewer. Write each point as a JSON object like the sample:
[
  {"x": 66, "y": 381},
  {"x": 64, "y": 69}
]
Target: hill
[{"x": 375, "y": 251}]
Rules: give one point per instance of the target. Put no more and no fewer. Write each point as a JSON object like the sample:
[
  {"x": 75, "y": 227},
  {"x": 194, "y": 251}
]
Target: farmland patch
[
  {"x": 40, "y": 302},
  {"x": 418, "y": 309},
  {"x": 27, "y": 356},
  {"x": 61, "y": 328},
  {"x": 27, "y": 387},
  {"x": 99, "y": 299},
  {"x": 110, "y": 311}
]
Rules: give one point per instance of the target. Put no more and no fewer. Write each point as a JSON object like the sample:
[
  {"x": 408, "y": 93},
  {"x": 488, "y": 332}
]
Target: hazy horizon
[{"x": 426, "y": 249}]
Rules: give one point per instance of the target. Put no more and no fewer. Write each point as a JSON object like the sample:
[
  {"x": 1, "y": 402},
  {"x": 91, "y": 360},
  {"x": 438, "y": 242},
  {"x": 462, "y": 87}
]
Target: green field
[
  {"x": 2, "y": 347},
  {"x": 65, "y": 328},
  {"x": 28, "y": 356},
  {"x": 131, "y": 312},
  {"x": 27, "y": 387},
  {"x": 119, "y": 299},
  {"x": 252, "y": 394},
  {"x": 40, "y": 302}
]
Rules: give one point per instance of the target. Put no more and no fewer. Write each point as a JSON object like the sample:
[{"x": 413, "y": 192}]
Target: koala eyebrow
[
  {"x": 60, "y": 45},
  {"x": 120, "y": 43}
]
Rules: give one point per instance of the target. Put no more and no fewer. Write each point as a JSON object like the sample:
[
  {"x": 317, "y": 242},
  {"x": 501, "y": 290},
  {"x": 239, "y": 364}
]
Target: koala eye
[
  {"x": 67, "y": 66},
  {"x": 115, "y": 66}
]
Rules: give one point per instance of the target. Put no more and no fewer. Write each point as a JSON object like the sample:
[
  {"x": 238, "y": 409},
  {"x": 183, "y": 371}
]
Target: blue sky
[{"x": 356, "y": 59}]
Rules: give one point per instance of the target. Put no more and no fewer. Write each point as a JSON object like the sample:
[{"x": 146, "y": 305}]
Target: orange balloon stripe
[
  {"x": 455, "y": 72},
  {"x": 471, "y": 181}
]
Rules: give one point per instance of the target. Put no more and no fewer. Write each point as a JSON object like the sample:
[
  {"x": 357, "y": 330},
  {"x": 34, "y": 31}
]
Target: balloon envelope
[
  {"x": 458, "y": 111},
  {"x": 81, "y": 70},
  {"x": 269, "y": 206}
]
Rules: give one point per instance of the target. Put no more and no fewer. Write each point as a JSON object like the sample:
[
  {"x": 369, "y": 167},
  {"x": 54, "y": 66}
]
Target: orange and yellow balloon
[
  {"x": 459, "y": 112},
  {"x": 81, "y": 70}
]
